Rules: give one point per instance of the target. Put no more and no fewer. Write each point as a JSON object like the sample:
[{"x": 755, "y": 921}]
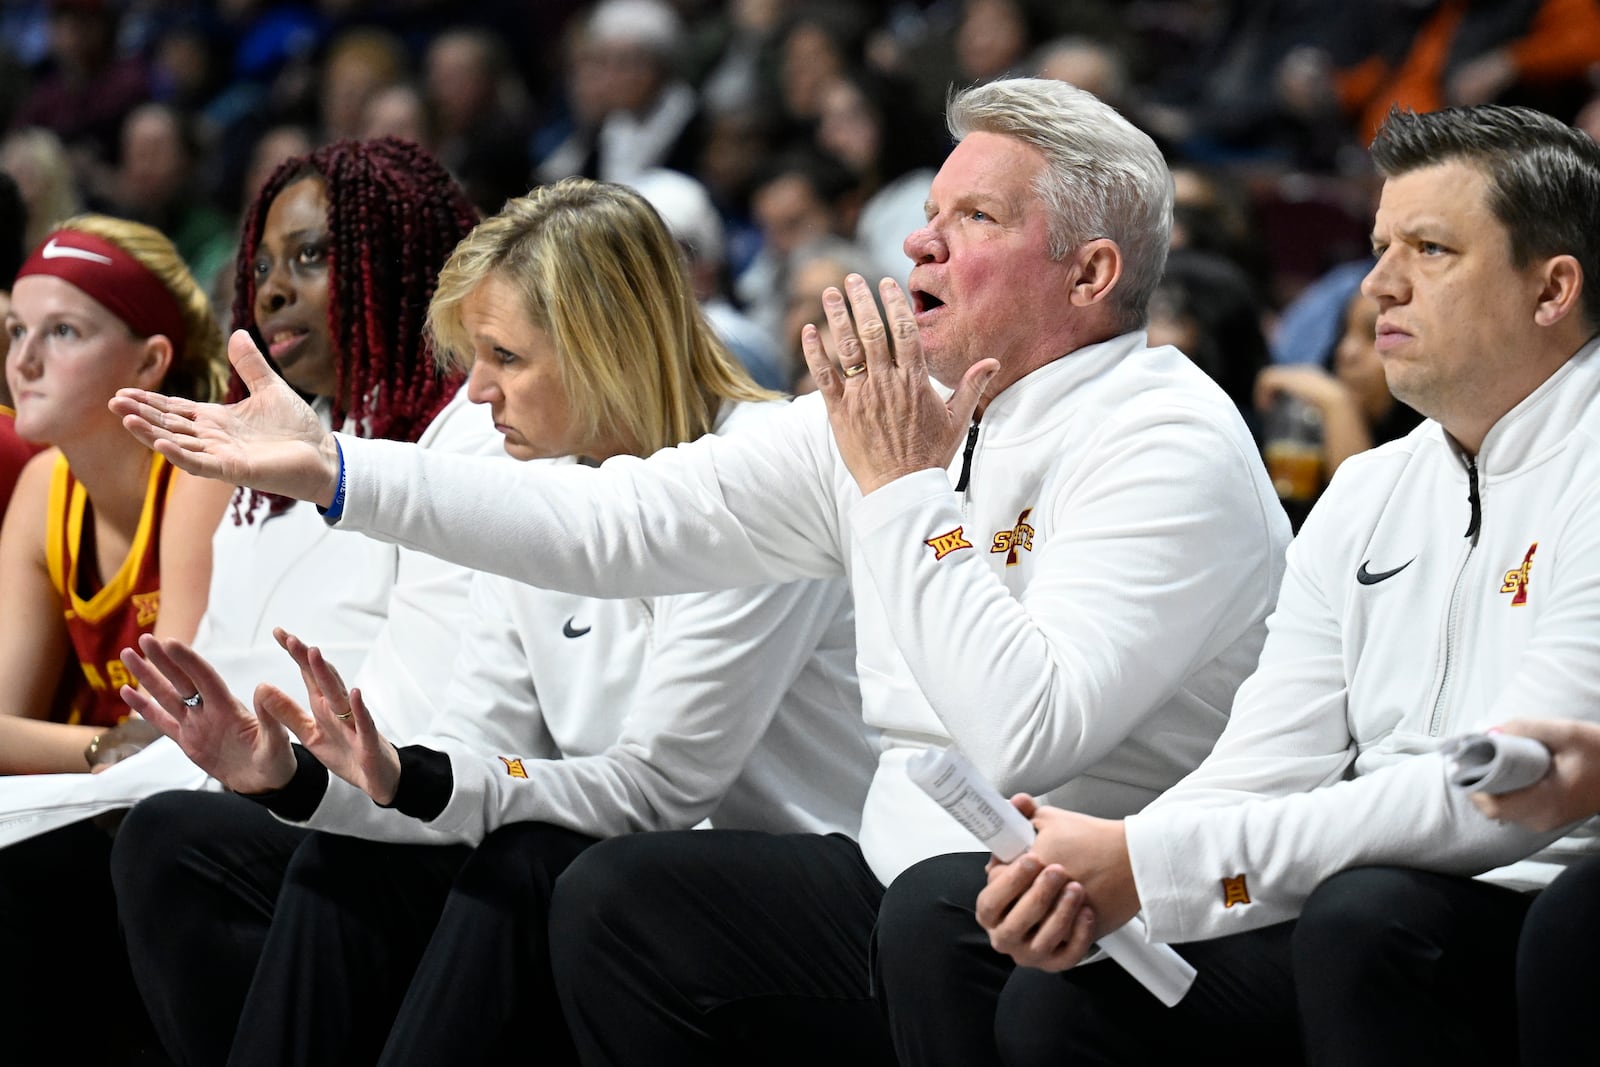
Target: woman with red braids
[{"x": 337, "y": 263}]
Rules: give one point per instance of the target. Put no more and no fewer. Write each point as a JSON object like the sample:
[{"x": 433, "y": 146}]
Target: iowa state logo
[
  {"x": 1516, "y": 579},
  {"x": 946, "y": 543},
  {"x": 1009, "y": 541}
]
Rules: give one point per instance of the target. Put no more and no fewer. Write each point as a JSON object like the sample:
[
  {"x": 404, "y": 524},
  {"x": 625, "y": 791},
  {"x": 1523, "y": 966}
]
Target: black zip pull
[
  {"x": 966, "y": 458},
  {"x": 1473, "y": 500}
]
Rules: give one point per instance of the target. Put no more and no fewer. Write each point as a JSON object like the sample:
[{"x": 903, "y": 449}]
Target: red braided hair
[{"x": 394, "y": 215}]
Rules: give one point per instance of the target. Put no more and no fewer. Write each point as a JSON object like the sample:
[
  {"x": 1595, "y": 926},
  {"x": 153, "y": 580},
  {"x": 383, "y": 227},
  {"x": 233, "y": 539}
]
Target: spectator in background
[
  {"x": 810, "y": 270},
  {"x": 87, "y": 89},
  {"x": 1463, "y": 52},
  {"x": 686, "y": 207},
  {"x": 624, "y": 68},
  {"x": 866, "y": 123},
  {"x": 1090, "y": 64},
  {"x": 1213, "y": 212},
  {"x": 739, "y": 74},
  {"x": 14, "y": 451},
  {"x": 157, "y": 183},
  {"x": 36, "y": 159},
  {"x": 358, "y": 63},
  {"x": 274, "y": 146},
  {"x": 797, "y": 199},
  {"x": 1206, "y": 307},
  {"x": 1347, "y": 389},
  {"x": 399, "y": 110},
  {"x": 818, "y": 44},
  {"x": 479, "y": 115}
]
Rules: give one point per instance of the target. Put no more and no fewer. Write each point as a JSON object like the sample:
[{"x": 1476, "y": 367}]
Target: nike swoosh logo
[
  {"x": 1366, "y": 577},
  {"x": 54, "y": 250},
  {"x": 568, "y": 631}
]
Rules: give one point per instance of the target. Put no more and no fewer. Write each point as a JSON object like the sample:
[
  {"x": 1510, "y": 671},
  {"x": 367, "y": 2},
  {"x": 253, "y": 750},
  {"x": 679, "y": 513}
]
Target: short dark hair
[{"x": 1543, "y": 175}]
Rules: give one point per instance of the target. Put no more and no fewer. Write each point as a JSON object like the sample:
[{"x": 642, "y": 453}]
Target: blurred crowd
[{"x": 788, "y": 144}]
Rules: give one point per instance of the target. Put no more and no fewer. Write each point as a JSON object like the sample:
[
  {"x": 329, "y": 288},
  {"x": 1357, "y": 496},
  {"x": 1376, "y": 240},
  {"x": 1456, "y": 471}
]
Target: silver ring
[
  {"x": 194, "y": 701},
  {"x": 859, "y": 368}
]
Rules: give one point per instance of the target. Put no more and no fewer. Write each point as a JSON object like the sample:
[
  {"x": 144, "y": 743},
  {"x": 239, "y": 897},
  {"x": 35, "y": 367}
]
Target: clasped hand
[
  {"x": 250, "y": 752},
  {"x": 1045, "y": 908},
  {"x": 887, "y": 418}
]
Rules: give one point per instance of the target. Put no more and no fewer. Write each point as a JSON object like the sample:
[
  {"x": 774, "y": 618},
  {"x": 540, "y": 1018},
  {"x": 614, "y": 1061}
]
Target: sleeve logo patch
[
  {"x": 1516, "y": 579},
  {"x": 947, "y": 543},
  {"x": 514, "y": 767},
  {"x": 1234, "y": 891}
]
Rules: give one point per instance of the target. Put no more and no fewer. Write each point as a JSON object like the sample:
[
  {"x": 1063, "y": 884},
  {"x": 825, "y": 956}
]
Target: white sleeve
[
  {"x": 1163, "y": 555},
  {"x": 727, "y": 510},
  {"x": 412, "y": 656},
  {"x": 720, "y": 665},
  {"x": 1271, "y": 813}
]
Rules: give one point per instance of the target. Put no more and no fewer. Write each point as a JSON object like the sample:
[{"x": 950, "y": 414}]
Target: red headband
[{"x": 118, "y": 281}]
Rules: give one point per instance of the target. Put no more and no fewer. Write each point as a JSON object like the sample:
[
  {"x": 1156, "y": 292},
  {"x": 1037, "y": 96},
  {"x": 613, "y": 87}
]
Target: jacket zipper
[
  {"x": 966, "y": 458},
  {"x": 1474, "y": 527}
]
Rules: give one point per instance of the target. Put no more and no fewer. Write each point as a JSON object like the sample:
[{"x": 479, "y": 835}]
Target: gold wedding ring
[
  {"x": 859, "y": 368},
  {"x": 343, "y": 715}
]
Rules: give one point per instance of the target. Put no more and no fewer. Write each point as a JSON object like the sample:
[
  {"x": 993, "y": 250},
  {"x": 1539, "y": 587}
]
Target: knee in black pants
[{"x": 510, "y": 865}]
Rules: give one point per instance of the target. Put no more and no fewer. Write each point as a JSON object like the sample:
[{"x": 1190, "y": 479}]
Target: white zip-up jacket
[
  {"x": 1076, "y": 616},
  {"x": 611, "y": 716},
  {"x": 1427, "y": 595},
  {"x": 359, "y": 601}
]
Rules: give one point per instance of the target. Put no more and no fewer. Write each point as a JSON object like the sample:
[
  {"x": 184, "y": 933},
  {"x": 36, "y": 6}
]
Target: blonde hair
[
  {"x": 599, "y": 271},
  {"x": 200, "y": 367}
]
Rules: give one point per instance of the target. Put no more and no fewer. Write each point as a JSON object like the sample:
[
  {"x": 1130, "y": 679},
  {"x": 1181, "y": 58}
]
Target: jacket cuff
[
  {"x": 299, "y": 800},
  {"x": 426, "y": 782}
]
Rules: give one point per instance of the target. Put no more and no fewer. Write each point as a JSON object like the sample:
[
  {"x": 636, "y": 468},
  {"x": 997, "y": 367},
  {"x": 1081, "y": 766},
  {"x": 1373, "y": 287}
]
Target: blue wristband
[{"x": 334, "y": 511}]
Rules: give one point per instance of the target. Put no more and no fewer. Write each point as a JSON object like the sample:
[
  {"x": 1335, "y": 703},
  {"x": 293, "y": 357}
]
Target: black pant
[
  {"x": 719, "y": 946},
  {"x": 197, "y": 876},
  {"x": 66, "y": 994},
  {"x": 952, "y": 1000},
  {"x": 483, "y": 989},
  {"x": 288, "y": 946},
  {"x": 1384, "y": 966},
  {"x": 939, "y": 979},
  {"x": 1558, "y": 981},
  {"x": 352, "y": 920}
]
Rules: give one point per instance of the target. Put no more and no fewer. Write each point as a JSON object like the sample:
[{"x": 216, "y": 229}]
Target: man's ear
[
  {"x": 154, "y": 362},
  {"x": 1098, "y": 266},
  {"x": 1562, "y": 290}
]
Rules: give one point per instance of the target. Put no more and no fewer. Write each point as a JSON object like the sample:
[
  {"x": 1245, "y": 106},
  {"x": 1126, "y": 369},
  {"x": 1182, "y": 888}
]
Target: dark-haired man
[{"x": 1318, "y": 862}]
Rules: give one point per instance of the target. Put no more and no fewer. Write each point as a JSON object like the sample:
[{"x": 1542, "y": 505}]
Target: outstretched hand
[
  {"x": 338, "y": 729},
  {"x": 271, "y": 440},
  {"x": 223, "y": 738},
  {"x": 887, "y": 418}
]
